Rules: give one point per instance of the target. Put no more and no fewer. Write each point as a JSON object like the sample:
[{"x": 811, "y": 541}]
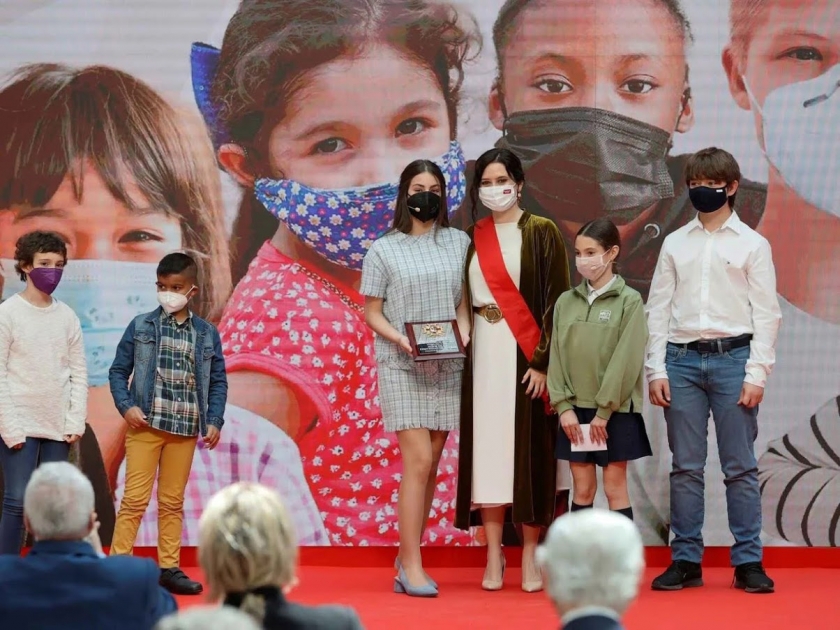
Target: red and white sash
[{"x": 514, "y": 309}]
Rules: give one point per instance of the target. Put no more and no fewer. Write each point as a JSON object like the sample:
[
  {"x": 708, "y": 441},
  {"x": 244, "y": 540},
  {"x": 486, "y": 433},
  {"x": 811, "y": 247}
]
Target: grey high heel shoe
[
  {"x": 402, "y": 585},
  {"x": 398, "y": 566}
]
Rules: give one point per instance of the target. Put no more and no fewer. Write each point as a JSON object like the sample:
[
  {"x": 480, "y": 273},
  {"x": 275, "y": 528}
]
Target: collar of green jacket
[{"x": 617, "y": 287}]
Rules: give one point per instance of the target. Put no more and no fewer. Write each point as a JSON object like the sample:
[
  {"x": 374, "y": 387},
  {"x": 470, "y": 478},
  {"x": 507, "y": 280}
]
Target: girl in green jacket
[{"x": 595, "y": 376}]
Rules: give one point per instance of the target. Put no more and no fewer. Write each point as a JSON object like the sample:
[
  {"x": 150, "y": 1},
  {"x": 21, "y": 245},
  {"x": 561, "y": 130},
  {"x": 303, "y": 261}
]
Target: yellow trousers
[{"x": 148, "y": 451}]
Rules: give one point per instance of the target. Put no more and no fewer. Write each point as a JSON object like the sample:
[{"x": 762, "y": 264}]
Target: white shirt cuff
[{"x": 756, "y": 377}]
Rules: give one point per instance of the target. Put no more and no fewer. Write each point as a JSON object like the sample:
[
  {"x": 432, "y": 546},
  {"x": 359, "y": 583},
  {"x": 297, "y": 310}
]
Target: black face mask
[
  {"x": 424, "y": 206},
  {"x": 584, "y": 163},
  {"x": 705, "y": 199}
]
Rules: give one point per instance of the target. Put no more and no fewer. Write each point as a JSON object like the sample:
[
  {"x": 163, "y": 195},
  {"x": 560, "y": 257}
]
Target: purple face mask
[{"x": 46, "y": 279}]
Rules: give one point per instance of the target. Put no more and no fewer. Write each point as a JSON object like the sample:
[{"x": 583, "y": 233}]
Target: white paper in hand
[{"x": 588, "y": 444}]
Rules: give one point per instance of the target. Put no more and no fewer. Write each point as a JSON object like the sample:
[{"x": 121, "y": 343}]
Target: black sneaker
[
  {"x": 679, "y": 575},
  {"x": 175, "y": 581},
  {"x": 750, "y": 577}
]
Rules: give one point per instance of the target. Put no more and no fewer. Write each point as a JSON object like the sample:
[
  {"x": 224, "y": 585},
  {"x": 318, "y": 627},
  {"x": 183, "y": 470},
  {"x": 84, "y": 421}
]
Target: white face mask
[
  {"x": 592, "y": 267},
  {"x": 171, "y": 301},
  {"x": 498, "y": 198},
  {"x": 106, "y": 295},
  {"x": 802, "y": 137}
]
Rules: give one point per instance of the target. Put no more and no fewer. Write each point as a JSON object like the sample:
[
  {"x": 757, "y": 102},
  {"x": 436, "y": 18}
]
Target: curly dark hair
[
  {"x": 37, "y": 242},
  {"x": 507, "y": 21},
  {"x": 270, "y": 46}
]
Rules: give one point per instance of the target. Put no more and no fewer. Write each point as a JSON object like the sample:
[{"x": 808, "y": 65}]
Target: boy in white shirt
[
  {"x": 43, "y": 377},
  {"x": 713, "y": 317}
]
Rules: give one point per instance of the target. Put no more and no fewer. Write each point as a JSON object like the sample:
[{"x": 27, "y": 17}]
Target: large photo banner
[{"x": 266, "y": 137}]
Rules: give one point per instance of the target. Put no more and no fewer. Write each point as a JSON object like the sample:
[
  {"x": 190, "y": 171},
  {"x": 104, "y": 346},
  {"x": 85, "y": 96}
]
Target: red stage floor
[
  {"x": 807, "y": 580},
  {"x": 806, "y": 598}
]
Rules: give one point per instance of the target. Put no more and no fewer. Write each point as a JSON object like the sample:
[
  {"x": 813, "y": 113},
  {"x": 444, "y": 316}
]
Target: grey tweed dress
[{"x": 420, "y": 278}]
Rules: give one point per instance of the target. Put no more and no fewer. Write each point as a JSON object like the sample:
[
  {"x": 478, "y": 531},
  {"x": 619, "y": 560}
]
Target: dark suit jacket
[
  {"x": 64, "y": 584},
  {"x": 281, "y": 614},
  {"x": 593, "y": 622}
]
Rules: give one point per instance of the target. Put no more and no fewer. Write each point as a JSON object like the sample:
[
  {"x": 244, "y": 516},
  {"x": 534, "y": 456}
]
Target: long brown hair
[
  {"x": 270, "y": 46},
  {"x": 402, "y": 216},
  {"x": 54, "y": 119}
]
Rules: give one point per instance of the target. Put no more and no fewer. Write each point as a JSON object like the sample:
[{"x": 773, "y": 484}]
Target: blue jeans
[
  {"x": 18, "y": 467},
  {"x": 701, "y": 383}
]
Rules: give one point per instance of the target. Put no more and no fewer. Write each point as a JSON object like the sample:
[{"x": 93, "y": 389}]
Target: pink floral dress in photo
[{"x": 286, "y": 321}]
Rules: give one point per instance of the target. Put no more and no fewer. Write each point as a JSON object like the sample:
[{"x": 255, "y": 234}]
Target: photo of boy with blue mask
[{"x": 589, "y": 95}]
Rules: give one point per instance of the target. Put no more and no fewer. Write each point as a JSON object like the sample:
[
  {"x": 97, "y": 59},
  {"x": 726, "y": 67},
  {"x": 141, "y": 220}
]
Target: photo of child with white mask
[
  {"x": 783, "y": 65},
  {"x": 122, "y": 196},
  {"x": 316, "y": 106},
  {"x": 780, "y": 57}
]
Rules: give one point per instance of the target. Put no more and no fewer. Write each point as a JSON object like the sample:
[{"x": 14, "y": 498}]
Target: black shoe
[
  {"x": 679, "y": 575},
  {"x": 176, "y": 582},
  {"x": 751, "y": 578}
]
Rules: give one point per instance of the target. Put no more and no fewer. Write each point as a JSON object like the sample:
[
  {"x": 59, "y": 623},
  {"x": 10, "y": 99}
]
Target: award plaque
[{"x": 435, "y": 340}]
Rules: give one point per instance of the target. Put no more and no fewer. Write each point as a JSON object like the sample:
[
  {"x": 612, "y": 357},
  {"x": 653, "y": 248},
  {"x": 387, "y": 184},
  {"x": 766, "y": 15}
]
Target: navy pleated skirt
[{"x": 627, "y": 439}]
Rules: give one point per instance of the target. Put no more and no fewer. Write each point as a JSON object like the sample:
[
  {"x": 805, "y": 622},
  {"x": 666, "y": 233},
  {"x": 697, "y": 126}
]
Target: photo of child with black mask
[{"x": 590, "y": 95}]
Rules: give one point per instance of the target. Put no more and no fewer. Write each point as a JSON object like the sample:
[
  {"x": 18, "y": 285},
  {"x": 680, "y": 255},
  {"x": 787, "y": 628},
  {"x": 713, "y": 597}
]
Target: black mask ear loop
[
  {"x": 652, "y": 230},
  {"x": 497, "y": 85},
  {"x": 686, "y": 97}
]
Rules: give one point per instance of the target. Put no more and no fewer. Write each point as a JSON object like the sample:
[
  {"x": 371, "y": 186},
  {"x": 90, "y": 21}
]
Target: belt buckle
[{"x": 492, "y": 313}]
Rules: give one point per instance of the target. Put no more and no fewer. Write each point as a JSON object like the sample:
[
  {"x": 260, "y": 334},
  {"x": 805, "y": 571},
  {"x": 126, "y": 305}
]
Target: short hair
[
  {"x": 743, "y": 20},
  {"x": 603, "y": 231},
  {"x": 177, "y": 262},
  {"x": 58, "y": 502},
  {"x": 715, "y": 164},
  {"x": 507, "y": 21},
  {"x": 246, "y": 540},
  {"x": 592, "y": 558},
  {"x": 38, "y": 242},
  {"x": 208, "y": 618},
  {"x": 57, "y": 119}
]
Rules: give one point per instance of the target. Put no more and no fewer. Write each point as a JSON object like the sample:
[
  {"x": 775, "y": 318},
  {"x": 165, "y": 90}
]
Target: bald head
[{"x": 58, "y": 503}]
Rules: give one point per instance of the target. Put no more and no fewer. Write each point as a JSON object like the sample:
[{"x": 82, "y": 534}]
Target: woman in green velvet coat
[{"x": 516, "y": 269}]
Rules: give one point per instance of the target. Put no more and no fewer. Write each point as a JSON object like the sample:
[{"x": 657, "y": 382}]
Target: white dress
[{"x": 494, "y": 383}]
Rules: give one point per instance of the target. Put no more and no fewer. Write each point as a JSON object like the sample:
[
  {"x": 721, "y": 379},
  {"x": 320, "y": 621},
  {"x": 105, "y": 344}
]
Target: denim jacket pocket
[{"x": 145, "y": 361}]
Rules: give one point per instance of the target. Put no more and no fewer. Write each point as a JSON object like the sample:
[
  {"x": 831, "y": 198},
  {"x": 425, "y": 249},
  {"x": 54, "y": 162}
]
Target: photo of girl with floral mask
[
  {"x": 98, "y": 157},
  {"x": 315, "y": 107},
  {"x": 589, "y": 95}
]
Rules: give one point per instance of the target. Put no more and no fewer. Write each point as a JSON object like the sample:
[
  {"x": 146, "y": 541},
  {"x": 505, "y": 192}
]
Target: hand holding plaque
[{"x": 432, "y": 341}]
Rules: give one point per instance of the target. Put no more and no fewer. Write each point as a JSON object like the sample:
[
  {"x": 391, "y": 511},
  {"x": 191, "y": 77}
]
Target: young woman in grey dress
[{"x": 415, "y": 273}]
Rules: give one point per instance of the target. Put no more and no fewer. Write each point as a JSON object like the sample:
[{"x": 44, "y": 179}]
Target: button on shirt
[
  {"x": 712, "y": 285},
  {"x": 175, "y": 406}
]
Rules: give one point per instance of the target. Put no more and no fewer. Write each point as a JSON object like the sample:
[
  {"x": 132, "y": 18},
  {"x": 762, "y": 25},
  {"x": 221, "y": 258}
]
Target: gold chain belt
[{"x": 491, "y": 313}]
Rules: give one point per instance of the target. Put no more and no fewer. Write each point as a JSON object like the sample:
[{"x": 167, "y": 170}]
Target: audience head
[
  {"x": 246, "y": 541},
  {"x": 208, "y": 618},
  {"x": 592, "y": 558},
  {"x": 58, "y": 503}
]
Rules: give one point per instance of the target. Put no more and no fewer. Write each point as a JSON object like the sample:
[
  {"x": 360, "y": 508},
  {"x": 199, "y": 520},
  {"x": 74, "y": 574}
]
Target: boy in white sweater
[{"x": 43, "y": 377}]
